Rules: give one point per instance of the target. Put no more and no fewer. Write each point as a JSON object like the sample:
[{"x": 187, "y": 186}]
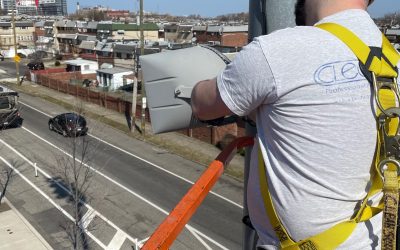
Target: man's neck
[{"x": 331, "y": 9}]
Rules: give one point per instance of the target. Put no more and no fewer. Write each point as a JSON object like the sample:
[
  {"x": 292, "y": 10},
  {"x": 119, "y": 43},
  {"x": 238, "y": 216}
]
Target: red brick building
[
  {"x": 116, "y": 14},
  {"x": 230, "y": 36}
]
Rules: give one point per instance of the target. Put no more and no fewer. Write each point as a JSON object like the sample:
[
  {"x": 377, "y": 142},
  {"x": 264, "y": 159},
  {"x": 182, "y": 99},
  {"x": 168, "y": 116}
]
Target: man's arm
[{"x": 207, "y": 103}]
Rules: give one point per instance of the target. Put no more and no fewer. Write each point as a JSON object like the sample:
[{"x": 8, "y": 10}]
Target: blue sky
[
  {"x": 209, "y": 8},
  {"x": 381, "y": 7}
]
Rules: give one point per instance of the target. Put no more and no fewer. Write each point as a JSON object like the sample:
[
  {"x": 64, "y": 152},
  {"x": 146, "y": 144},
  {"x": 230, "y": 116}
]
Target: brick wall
[{"x": 234, "y": 39}]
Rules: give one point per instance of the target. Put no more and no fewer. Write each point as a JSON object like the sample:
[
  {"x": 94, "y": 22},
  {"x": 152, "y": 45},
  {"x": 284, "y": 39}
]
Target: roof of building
[
  {"x": 87, "y": 45},
  {"x": 239, "y": 28},
  {"x": 185, "y": 28},
  {"x": 48, "y": 23},
  {"x": 81, "y": 37},
  {"x": 126, "y": 27},
  {"x": 106, "y": 47},
  {"x": 39, "y": 24},
  {"x": 78, "y": 62},
  {"x": 91, "y": 38},
  {"x": 81, "y": 24},
  {"x": 115, "y": 70},
  {"x": 67, "y": 36},
  {"x": 199, "y": 28},
  {"x": 171, "y": 26},
  {"x": 393, "y": 32},
  {"x": 92, "y": 25},
  {"x": 214, "y": 28},
  {"x": 65, "y": 23},
  {"x": 24, "y": 24},
  {"x": 5, "y": 24},
  {"x": 124, "y": 48}
]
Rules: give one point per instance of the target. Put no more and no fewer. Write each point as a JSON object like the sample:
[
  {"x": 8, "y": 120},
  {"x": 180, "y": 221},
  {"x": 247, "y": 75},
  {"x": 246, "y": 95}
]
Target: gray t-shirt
[{"x": 316, "y": 127}]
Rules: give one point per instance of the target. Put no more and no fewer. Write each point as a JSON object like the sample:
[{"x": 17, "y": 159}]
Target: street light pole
[{"x": 15, "y": 42}]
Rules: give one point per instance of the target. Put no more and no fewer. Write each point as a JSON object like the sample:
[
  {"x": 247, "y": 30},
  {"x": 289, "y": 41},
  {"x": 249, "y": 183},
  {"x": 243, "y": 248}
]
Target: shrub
[{"x": 57, "y": 63}]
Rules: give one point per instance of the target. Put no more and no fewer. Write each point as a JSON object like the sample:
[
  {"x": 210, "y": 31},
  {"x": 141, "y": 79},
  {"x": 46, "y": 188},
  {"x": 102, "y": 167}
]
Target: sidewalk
[
  {"x": 16, "y": 232},
  {"x": 176, "y": 143}
]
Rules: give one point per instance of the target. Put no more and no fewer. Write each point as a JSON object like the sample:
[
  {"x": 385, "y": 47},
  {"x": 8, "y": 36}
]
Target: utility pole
[
  {"x": 134, "y": 91},
  {"x": 143, "y": 113},
  {"x": 265, "y": 16},
  {"x": 16, "y": 58}
]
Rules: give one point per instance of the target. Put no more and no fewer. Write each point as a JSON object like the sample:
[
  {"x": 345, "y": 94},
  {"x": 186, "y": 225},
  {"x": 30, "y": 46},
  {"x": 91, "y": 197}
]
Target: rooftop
[{"x": 115, "y": 70}]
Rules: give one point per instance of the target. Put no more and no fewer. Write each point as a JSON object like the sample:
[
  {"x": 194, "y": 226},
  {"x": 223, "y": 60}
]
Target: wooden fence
[{"x": 59, "y": 80}]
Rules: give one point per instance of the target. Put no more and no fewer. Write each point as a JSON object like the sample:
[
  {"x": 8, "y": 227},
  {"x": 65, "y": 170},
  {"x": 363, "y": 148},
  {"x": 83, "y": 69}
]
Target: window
[
  {"x": 86, "y": 67},
  {"x": 129, "y": 56},
  {"x": 119, "y": 55},
  {"x": 4, "y": 104}
]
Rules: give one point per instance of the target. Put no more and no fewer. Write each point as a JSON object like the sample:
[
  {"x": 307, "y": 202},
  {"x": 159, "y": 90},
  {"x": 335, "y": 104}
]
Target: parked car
[
  {"x": 1, "y": 57},
  {"x": 68, "y": 124},
  {"x": 35, "y": 65},
  {"x": 9, "y": 108}
]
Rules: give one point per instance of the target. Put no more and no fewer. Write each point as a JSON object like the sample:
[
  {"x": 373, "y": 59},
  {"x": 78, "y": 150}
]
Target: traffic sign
[{"x": 17, "y": 58}]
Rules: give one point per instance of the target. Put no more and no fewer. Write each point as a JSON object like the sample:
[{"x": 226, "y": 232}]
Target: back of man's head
[{"x": 308, "y": 12}]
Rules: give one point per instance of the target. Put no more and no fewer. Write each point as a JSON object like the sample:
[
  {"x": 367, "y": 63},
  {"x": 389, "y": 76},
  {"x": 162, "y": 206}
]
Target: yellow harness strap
[{"x": 336, "y": 235}]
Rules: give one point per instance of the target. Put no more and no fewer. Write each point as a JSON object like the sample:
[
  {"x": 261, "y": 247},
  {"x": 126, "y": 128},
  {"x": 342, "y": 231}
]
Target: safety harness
[{"x": 379, "y": 67}]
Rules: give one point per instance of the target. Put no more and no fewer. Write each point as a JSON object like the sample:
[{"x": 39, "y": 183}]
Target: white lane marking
[
  {"x": 64, "y": 188},
  {"x": 202, "y": 241},
  {"x": 117, "y": 184},
  {"x": 117, "y": 241},
  {"x": 211, "y": 240},
  {"x": 96, "y": 171},
  {"x": 87, "y": 218},
  {"x": 38, "y": 189},
  {"x": 139, "y": 158},
  {"x": 51, "y": 201}
]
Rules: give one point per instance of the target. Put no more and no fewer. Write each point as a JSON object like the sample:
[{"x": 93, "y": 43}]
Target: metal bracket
[
  {"x": 183, "y": 92},
  {"x": 391, "y": 142}
]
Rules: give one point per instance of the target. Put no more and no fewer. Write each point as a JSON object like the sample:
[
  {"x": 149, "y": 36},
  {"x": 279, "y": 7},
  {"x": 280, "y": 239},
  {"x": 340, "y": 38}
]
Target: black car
[
  {"x": 68, "y": 124},
  {"x": 35, "y": 65}
]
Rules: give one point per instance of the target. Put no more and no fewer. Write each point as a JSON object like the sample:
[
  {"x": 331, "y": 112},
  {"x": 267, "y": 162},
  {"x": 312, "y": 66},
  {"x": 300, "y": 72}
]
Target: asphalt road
[
  {"x": 134, "y": 186},
  {"x": 8, "y": 69}
]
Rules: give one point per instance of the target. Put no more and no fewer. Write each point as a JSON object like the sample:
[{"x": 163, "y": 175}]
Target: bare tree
[
  {"x": 5, "y": 179},
  {"x": 75, "y": 175}
]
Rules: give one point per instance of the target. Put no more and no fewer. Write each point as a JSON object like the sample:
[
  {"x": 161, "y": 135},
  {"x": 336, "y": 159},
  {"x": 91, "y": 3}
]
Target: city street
[{"x": 134, "y": 186}]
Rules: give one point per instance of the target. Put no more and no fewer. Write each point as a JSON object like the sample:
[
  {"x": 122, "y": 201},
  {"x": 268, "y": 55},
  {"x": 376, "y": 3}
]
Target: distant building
[
  {"x": 126, "y": 32},
  {"x": 83, "y": 66},
  {"x": 24, "y": 34},
  {"x": 117, "y": 14},
  {"x": 113, "y": 78},
  {"x": 393, "y": 35},
  {"x": 178, "y": 33},
  {"x": 52, "y": 8},
  {"x": 232, "y": 36}
]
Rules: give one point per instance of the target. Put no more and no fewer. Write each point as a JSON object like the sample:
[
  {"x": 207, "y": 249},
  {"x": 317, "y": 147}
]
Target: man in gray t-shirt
[{"x": 315, "y": 120}]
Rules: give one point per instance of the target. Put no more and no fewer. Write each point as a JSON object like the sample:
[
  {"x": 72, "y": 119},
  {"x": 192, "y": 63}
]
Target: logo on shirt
[{"x": 338, "y": 73}]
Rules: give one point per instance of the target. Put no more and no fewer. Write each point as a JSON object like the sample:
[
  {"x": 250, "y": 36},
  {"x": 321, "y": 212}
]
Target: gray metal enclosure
[{"x": 169, "y": 79}]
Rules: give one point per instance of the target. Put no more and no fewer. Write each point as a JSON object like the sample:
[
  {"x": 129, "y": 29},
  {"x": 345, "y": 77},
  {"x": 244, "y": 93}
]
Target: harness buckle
[
  {"x": 382, "y": 84},
  {"x": 383, "y": 165}
]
